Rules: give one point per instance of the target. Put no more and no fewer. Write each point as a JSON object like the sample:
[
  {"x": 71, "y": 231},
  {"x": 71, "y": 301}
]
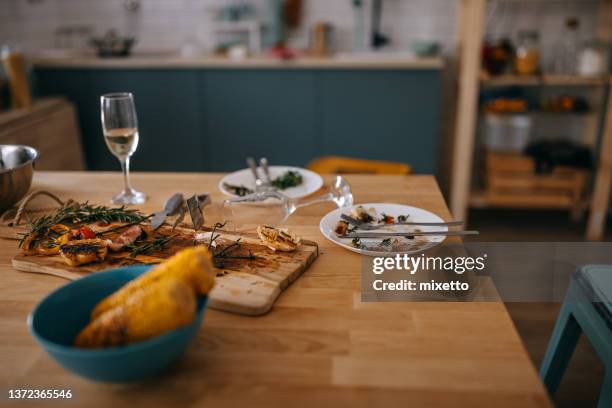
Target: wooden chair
[
  {"x": 345, "y": 165},
  {"x": 587, "y": 309},
  {"x": 15, "y": 68}
]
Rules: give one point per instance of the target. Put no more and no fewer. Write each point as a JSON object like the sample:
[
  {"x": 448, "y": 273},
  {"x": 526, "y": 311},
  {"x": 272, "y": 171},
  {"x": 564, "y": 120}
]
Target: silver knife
[
  {"x": 195, "y": 205},
  {"x": 366, "y": 226},
  {"x": 170, "y": 208},
  {"x": 406, "y": 234}
]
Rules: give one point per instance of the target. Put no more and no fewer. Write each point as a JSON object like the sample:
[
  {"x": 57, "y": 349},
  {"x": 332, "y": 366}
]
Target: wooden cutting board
[{"x": 248, "y": 287}]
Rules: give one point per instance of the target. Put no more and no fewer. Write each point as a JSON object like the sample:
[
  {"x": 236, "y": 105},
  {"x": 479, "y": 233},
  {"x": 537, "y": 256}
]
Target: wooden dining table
[{"x": 320, "y": 345}]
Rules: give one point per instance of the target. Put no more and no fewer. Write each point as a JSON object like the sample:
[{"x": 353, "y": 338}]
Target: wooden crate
[{"x": 512, "y": 182}]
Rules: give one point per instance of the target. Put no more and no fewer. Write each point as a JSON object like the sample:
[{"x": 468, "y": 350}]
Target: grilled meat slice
[
  {"x": 84, "y": 251},
  {"x": 126, "y": 238},
  {"x": 278, "y": 239},
  {"x": 341, "y": 227}
]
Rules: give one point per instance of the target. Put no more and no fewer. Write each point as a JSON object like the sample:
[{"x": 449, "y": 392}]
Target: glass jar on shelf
[
  {"x": 565, "y": 61},
  {"x": 527, "y": 55},
  {"x": 593, "y": 59}
]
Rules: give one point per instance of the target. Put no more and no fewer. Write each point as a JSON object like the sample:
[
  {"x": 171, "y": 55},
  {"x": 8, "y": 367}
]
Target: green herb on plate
[{"x": 287, "y": 180}]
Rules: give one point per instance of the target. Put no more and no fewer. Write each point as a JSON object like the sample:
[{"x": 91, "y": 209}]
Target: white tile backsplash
[{"x": 168, "y": 23}]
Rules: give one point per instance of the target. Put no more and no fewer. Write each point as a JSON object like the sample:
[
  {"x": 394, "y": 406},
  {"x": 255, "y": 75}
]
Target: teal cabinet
[
  {"x": 259, "y": 113},
  {"x": 167, "y": 103},
  {"x": 383, "y": 115},
  {"x": 211, "y": 119}
]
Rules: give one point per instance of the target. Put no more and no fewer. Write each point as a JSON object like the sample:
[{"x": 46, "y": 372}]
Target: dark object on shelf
[
  {"x": 112, "y": 45},
  {"x": 497, "y": 56},
  {"x": 378, "y": 38},
  {"x": 550, "y": 153},
  {"x": 292, "y": 13},
  {"x": 565, "y": 104}
]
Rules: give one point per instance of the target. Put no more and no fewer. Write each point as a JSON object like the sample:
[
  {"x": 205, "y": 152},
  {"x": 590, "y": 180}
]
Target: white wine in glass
[
  {"x": 120, "y": 128},
  {"x": 122, "y": 142}
]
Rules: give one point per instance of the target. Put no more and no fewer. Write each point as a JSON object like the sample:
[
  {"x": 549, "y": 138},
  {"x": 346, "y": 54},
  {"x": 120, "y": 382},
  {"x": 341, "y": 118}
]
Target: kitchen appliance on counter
[{"x": 112, "y": 45}]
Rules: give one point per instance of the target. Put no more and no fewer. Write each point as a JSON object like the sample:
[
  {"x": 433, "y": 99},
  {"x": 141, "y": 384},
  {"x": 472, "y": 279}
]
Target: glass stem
[
  {"x": 322, "y": 199},
  {"x": 125, "y": 168}
]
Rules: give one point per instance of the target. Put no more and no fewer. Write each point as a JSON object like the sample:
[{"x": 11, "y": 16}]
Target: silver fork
[
  {"x": 368, "y": 227},
  {"x": 259, "y": 184},
  {"x": 263, "y": 163}
]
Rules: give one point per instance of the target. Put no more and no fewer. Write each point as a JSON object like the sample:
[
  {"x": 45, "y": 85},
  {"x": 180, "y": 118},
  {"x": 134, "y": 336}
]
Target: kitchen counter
[
  {"x": 320, "y": 345},
  {"x": 212, "y": 117},
  {"x": 171, "y": 61}
]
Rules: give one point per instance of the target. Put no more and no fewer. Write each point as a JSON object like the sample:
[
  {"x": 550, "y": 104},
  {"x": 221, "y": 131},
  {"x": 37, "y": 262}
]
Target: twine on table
[{"x": 24, "y": 203}]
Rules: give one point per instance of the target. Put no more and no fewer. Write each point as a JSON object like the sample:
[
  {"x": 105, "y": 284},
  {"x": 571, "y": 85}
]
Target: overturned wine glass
[{"x": 271, "y": 207}]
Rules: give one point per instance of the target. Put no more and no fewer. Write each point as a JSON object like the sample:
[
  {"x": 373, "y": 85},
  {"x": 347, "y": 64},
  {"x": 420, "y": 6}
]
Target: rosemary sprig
[
  {"x": 224, "y": 253},
  {"x": 78, "y": 213},
  {"x": 214, "y": 237},
  {"x": 143, "y": 247}
]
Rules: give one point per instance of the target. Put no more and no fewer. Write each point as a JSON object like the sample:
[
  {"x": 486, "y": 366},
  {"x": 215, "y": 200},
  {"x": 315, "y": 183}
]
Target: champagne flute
[
  {"x": 120, "y": 128},
  {"x": 272, "y": 207}
]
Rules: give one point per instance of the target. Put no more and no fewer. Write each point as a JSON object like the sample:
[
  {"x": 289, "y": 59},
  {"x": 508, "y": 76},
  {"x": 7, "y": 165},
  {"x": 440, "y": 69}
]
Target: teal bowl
[{"x": 57, "y": 320}]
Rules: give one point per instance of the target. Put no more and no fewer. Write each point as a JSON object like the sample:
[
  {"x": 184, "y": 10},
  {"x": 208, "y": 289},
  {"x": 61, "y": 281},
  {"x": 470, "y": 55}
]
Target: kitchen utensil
[
  {"x": 171, "y": 207},
  {"x": 263, "y": 163},
  {"x": 112, "y": 45},
  {"x": 411, "y": 234},
  {"x": 16, "y": 171},
  {"x": 378, "y": 38},
  {"x": 272, "y": 207},
  {"x": 253, "y": 167},
  {"x": 56, "y": 321},
  {"x": 120, "y": 128},
  {"x": 425, "y": 48},
  {"x": 365, "y": 226},
  {"x": 329, "y": 221},
  {"x": 311, "y": 181},
  {"x": 195, "y": 205},
  {"x": 245, "y": 287}
]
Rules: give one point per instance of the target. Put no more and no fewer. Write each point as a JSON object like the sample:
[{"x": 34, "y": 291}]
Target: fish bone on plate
[{"x": 378, "y": 213}]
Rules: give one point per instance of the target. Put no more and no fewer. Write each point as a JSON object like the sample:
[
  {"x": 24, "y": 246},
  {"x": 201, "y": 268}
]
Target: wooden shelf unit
[
  {"x": 540, "y": 80},
  {"x": 470, "y": 79},
  {"x": 487, "y": 199},
  {"x": 512, "y": 183}
]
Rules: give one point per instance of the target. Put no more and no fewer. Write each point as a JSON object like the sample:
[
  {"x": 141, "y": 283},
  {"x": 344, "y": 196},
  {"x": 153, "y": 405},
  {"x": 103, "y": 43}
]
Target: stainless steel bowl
[{"x": 16, "y": 171}]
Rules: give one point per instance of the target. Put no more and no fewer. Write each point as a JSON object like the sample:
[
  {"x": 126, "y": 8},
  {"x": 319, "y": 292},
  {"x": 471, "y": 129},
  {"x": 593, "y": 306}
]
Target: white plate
[
  {"x": 311, "y": 181},
  {"x": 328, "y": 224}
]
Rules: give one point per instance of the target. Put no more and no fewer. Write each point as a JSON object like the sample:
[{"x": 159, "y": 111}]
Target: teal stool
[{"x": 587, "y": 308}]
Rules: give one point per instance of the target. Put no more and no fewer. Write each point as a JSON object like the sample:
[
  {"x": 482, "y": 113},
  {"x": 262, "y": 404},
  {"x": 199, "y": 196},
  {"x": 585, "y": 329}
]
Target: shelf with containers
[
  {"x": 550, "y": 116},
  {"x": 541, "y": 107}
]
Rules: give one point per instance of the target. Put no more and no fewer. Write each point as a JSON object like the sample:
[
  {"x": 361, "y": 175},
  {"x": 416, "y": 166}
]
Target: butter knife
[
  {"x": 366, "y": 226},
  {"x": 195, "y": 205},
  {"x": 171, "y": 207},
  {"x": 407, "y": 234}
]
